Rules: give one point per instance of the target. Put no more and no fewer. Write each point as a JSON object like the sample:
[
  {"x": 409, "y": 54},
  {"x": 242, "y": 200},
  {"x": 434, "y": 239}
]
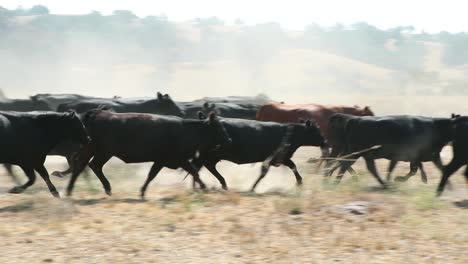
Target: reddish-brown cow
[{"x": 284, "y": 113}]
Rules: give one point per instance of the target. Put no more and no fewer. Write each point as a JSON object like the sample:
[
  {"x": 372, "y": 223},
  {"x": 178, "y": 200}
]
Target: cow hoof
[
  {"x": 109, "y": 192},
  {"x": 424, "y": 180},
  {"x": 225, "y": 188},
  {"x": 16, "y": 189},
  {"x": 401, "y": 179},
  {"x": 57, "y": 174},
  {"x": 56, "y": 194}
]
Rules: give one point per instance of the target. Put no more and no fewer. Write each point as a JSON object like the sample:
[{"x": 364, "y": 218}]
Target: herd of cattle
[{"x": 89, "y": 131}]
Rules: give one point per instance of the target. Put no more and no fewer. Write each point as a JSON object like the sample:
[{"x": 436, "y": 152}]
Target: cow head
[
  {"x": 75, "y": 128},
  {"x": 358, "y": 111},
  {"x": 164, "y": 105},
  {"x": 215, "y": 134},
  {"x": 308, "y": 134},
  {"x": 39, "y": 104}
]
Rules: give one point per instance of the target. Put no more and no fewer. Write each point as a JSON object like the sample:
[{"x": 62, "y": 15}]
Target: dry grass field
[{"x": 280, "y": 223}]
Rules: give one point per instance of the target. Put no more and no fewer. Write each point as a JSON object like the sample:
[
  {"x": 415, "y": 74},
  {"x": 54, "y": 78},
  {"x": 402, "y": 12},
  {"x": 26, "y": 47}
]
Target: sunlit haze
[{"x": 431, "y": 16}]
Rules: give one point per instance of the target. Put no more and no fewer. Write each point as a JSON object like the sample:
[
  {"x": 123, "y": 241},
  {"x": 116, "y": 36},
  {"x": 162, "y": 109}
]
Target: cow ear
[
  {"x": 213, "y": 106},
  {"x": 201, "y": 115},
  {"x": 308, "y": 123},
  {"x": 206, "y": 105},
  {"x": 302, "y": 121},
  {"x": 160, "y": 96},
  {"x": 71, "y": 113},
  {"x": 212, "y": 116},
  {"x": 367, "y": 108}
]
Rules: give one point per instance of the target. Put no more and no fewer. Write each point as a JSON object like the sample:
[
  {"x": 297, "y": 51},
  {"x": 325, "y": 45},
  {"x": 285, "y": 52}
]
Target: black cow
[
  {"x": 27, "y": 138},
  {"x": 412, "y": 139},
  {"x": 337, "y": 140},
  {"x": 255, "y": 141},
  {"x": 244, "y": 107},
  {"x": 167, "y": 141},
  {"x": 229, "y": 110},
  {"x": 460, "y": 151},
  {"x": 163, "y": 105},
  {"x": 24, "y": 105},
  {"x": 54, "y": 100}
]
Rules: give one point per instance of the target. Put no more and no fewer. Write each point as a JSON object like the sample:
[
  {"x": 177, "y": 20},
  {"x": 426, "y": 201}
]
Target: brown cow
[{"x": 284, "y": 113}]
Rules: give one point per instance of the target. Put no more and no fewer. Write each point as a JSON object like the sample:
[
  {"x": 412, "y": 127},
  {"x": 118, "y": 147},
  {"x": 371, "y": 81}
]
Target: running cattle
[
  {"x": 254, "y": 141},
  {"x": 54, "y": 100},
  {"x": 167, "y": 141},
  {"x": 244, "y": 107},
  {"x": 162, "y": 105},
  {"x": 230, "y": 110},
  {"x": 401, "y": 138},
  {"x": 24, "y": 105},
  {"x": 27, "y": 138},
  {"x": 337, "y": 141},
  {"x": 284, "y": 113},
  {"x": 460, "y": 151}
]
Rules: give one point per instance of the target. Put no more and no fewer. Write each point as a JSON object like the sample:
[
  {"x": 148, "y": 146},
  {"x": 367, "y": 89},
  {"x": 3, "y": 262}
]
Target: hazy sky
[{"x": 428, "y": 15}]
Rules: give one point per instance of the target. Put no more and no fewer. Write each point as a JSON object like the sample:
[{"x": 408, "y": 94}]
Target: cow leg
[
  {"x": 411, "y": 173},
  {"x": 155, "y": 169},
  {"x": 211, "y": 167},
  {"x": 293, "y": 167},
  {"x": 423, "y": 173},
  {"x": 263, "y": 173},
  {"x": 61, "y": 174},
  {"x": 193, "y": 171},
  {"x": 465, "y": 174},
  {"x": 391, "y": 167},
  {"x": 45, "y": 175},
  {"x": 29, "y": 171},
  {"x": 344, "y": 166},
  {"x": 96, "y": 166},
  {"x": 329, "y": 162},
  {"x": 438, "y": 163},
  {"x": 370, "y": 163},
  {"x": 79, "y": 164},
  {"x": 450, "y": 169},
  {"x": 13, "y": 176}
]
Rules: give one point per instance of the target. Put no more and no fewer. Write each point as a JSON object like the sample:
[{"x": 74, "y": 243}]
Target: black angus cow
[
  {"x": 24, "y": 105},
  {"x": 412, "y": 139},
  {"x": 168, "y": 141},
  {"x": 244, "y": 107},
  {"x": 337, "y": 140},
  {"x": 54, "y": 100},
  {"x": 255, "y": 141},
  {"x": 229, "y": 110},
  {"x": 162, "y": 104},
  {"x": 27, "y": 138},
  {"x": 460, "y": 151}
]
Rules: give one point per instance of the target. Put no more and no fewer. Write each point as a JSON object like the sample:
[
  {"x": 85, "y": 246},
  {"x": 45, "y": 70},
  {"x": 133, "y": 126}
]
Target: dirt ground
[{"x": 355, "y": 222}]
